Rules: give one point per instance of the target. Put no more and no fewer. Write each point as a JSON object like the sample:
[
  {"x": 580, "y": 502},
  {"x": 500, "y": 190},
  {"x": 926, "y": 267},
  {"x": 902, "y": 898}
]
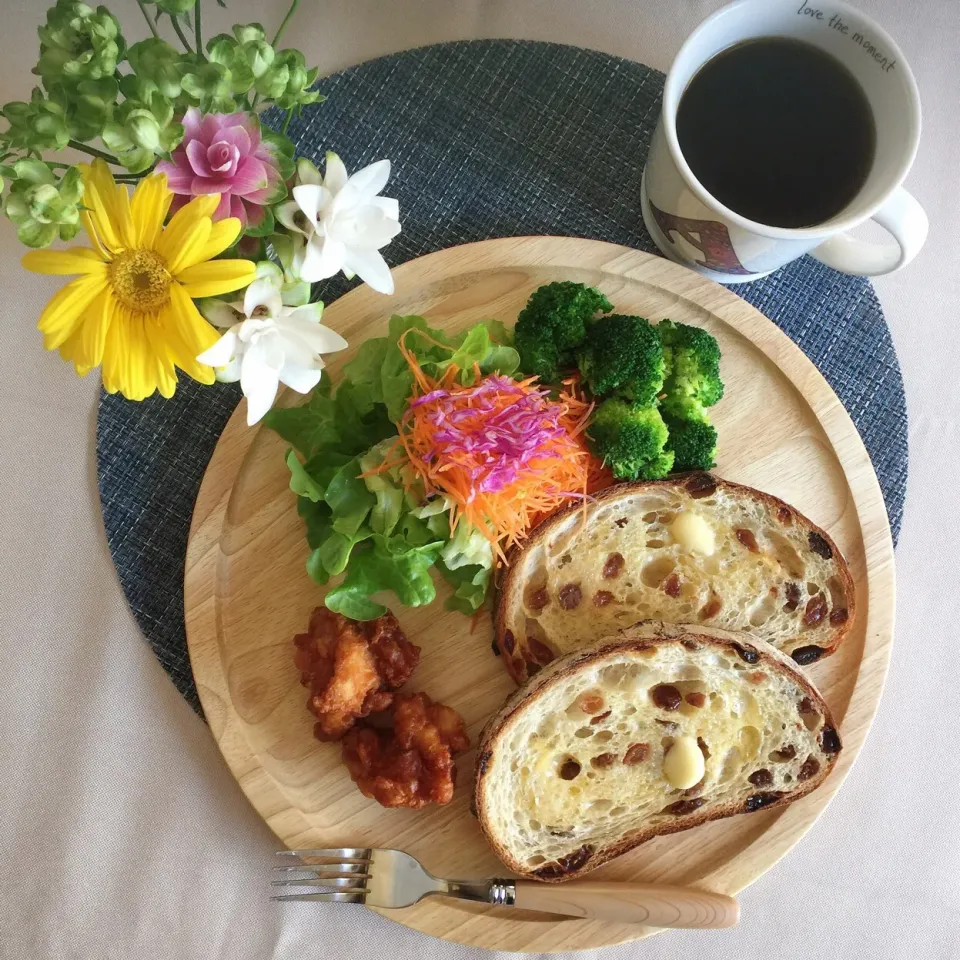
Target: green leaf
[
  {"x": 331, "y": 549},
  {"x": 286, "y": 168},
  {"x": 439, "y": 525},
  {"x": 417, "y": 532},
  {"x": 385, "y": 486},
  {"x": 381, "y": 536},
  {"x": 499, "y": 332},
  {"x": 349, "y": 498},
  {"x": 470, "y": 587},
  {"x": 301, "y": 483},
  {"x": 386, "y": 513},
  {"x": 365, "y": 368},
  {"x": 473, "y": 347},
  {"x": 362, "y": 423},
  {"x": 279, "y": 141},
  {"x": 396, "y": 377},
  {"x": 349, "y": 422},
  {"x": 264, "y": 228},
  {"x": 354, "y": 401},
  {"x": 324, "y": 465},
  {"x": 315, "y": 568},
  {"x": 353, "y": 604},
  {"x": 334, "y": 552},
  {"x": 420, "y": 345},
  {"x": 310, "y": 426},
  {"x": 467, "y": 547},
  {"x": 391, "y": 564},
  {"x": 478, "y": 349},
  {"x": 318, "y": 519},
  {"x": 484, "y": 345}
]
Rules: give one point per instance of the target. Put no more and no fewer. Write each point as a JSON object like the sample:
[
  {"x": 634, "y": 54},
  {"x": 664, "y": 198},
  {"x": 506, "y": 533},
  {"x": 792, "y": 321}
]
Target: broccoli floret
[
  {"x": 693, "y": 442},
  {"x": 658, "y": 468},
  {"x": 630, "y": 439},
  {"x": 553, "y": 324},
  {"x": 692, "y": 375},
  {"x": 538, "y": 354},
  {"x": 623, "y": 355}
]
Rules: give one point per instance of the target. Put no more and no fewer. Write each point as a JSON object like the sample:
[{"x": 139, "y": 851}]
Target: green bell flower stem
[
  {"x": 93, "y": 151},
  {"x": 179, "y": 31},
  {"x": 196, "y": 28},
  {"x": 286, "y": 20},
  {"x": 150, "y": 23},
  {"x": 286, "y": 123}
]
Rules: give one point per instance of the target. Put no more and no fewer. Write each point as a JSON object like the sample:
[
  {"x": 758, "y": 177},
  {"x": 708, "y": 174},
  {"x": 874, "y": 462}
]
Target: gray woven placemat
[{"x": 488, "y": 139}]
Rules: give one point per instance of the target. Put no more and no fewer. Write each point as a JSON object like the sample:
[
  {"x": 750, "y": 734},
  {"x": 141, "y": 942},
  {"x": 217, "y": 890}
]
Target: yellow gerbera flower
[{"x": 131, "y": 308}]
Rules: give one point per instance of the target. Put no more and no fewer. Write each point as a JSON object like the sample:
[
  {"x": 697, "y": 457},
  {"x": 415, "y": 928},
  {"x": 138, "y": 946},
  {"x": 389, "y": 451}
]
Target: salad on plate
[{"x": 439, "y": 451}]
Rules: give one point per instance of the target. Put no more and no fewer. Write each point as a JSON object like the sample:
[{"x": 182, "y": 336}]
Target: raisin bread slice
[
  {"x": 658, "y": 730},
  {"x": 691, "y": 549}
]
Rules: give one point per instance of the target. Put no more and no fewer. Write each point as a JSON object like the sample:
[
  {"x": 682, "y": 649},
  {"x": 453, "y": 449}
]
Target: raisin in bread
[
  {"x": 657, "y": 730},
  {"x": 693, "y": 549}
]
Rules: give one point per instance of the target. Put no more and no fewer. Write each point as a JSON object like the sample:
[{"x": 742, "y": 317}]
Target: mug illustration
[{"x": 710, "y": 237}]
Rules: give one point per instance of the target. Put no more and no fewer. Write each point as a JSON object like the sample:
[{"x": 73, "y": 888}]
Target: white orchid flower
[
  {"x": 267, "y": 343},
  {"x": 342, "y": 221}
]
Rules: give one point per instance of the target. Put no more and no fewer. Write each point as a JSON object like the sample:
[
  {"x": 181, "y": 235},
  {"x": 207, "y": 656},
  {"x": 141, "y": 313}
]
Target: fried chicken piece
[
  {"x": 351, "y": 668},
  {"x": 411, "y": 765}
]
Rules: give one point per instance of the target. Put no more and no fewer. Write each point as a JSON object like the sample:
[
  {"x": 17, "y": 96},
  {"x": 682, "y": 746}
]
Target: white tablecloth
[{"x": 123, "y": 834}]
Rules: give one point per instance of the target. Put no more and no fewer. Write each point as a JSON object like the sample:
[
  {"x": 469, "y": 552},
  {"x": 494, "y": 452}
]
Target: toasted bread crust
[{"x": 638, "y": 637}]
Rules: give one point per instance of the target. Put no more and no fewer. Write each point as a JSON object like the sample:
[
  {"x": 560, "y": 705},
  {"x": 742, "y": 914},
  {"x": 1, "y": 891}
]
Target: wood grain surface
[
  {"x": 782, "y": 429},
  {"x": 657, "y": 904}
]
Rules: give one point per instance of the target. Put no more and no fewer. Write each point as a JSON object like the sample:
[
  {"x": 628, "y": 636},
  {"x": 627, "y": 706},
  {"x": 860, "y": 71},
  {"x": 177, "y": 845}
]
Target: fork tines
[
  {"x": 345, "y": 870},
  {"x": 325, "y": 880},
  {"x": 340, "y": 854},
  {"x": 322, "y": 897}
]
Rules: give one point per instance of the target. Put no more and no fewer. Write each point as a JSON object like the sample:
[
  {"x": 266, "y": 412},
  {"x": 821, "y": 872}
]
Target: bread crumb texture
[
  {"x": 581, "y": 765},
  {"x": 753, "y": 565}
]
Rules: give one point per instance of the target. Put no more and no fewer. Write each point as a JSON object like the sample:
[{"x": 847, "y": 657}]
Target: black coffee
[{"x": 778, "y": 131}]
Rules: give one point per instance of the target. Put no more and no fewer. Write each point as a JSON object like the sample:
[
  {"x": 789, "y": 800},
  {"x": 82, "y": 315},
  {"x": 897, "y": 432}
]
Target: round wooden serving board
[{"x": 781, "y": 428}]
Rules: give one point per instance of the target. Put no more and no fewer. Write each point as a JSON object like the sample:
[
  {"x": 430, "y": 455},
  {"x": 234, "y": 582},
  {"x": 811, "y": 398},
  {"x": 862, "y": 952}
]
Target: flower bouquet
[{"x": 203, "y": 232}]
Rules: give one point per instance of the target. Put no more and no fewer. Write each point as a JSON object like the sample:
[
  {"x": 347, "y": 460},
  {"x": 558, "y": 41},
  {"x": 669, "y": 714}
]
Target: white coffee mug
[{"x": 694, "y": 228}]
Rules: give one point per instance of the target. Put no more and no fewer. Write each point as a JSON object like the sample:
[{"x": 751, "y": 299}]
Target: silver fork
[{"x": 391, "y": 878}]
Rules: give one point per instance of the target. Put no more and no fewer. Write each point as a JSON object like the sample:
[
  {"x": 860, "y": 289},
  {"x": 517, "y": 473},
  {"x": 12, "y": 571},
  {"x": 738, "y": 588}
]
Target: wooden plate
[{"x": 782, "y": 429}]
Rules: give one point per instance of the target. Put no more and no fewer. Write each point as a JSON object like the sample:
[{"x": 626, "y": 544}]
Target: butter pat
[
  {"x": 683, "y": 764},
  {"x": 693, "y": 533}
]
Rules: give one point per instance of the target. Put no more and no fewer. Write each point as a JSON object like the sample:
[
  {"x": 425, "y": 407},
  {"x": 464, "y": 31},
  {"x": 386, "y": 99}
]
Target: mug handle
[{"x": 902, "y": 217}]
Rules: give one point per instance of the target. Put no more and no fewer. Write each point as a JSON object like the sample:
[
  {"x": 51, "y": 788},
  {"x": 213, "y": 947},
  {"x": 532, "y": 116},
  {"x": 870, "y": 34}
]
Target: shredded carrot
[
  {"x": 599, "y": 476},
  {"x": 500, "y": 450}
]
